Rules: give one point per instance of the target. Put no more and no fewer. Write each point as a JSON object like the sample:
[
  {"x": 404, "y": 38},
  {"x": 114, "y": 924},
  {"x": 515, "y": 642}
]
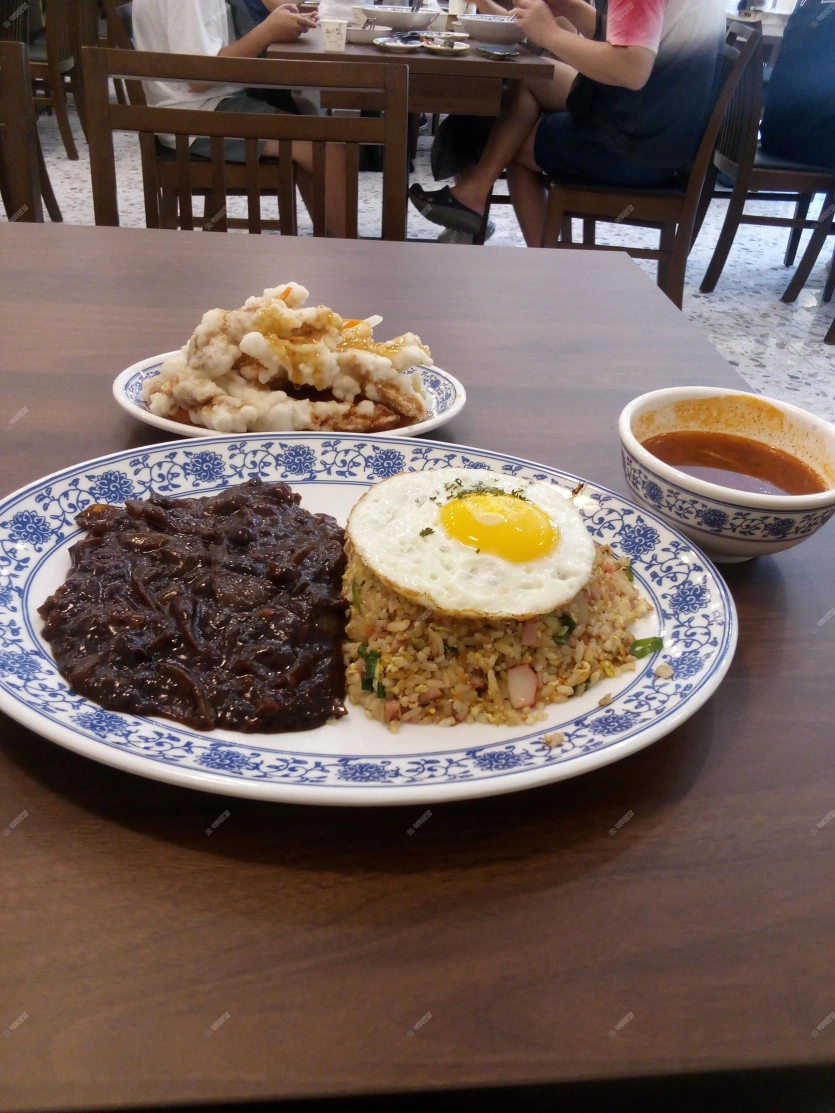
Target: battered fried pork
[{"x": 277, "y": 364}]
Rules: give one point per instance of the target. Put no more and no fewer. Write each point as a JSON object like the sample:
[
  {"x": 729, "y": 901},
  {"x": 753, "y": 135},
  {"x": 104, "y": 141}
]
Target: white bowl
[
  {"x": 492, "y": 28},
  {"x": 400, "y": 19},
  {"x": 358, "y": 35},
  {"x": 728, "y": 524}
]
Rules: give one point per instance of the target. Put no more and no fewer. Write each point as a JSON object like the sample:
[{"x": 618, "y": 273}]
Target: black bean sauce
[{"x": 223, "y": 611}]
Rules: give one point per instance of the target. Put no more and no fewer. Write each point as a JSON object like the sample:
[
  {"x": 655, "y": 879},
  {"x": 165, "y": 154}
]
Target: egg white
[{"x": 396, "y": 530}]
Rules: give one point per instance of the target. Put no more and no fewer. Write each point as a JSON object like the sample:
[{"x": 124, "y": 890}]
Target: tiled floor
[{"x": 777, "y": 348}]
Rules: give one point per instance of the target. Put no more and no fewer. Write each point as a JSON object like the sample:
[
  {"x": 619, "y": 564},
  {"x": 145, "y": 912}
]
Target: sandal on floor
[{"x": 439, "y": 206}]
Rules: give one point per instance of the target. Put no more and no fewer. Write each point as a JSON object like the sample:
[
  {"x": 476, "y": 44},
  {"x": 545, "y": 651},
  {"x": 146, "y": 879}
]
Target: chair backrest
[
  {"x": 736, "y": 143},
  {"x": 388, "y": 82},
  {"x": 20, "y": 184},
  {"x": 741, "y": 52},
  {"x": 14, "y": 20}
]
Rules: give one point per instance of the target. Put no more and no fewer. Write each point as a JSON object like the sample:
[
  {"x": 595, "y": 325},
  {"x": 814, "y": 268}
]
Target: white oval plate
[
  {"x": 446, "y": 397},
  {"x": 397, "y": 46},
  {"x": 353, "y": 760},
  {"x": 451, "y": 46}
]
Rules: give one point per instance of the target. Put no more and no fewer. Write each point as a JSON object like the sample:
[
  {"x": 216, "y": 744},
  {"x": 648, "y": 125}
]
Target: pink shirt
[{"x": 636, "y": 23}]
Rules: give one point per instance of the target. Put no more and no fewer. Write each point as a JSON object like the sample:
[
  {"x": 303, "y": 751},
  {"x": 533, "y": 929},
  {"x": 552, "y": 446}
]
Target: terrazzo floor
[{"x": 777, "y": 348}]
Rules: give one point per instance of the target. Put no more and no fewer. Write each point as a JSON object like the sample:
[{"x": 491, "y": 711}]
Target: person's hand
[
  {"x": 558, "y": 7},
  {"x": 536, "y": 19},
  {"x": 286, "y": 24}
]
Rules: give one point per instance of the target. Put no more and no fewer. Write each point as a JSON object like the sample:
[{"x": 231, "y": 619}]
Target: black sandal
[{"x": 440, "y": 207}]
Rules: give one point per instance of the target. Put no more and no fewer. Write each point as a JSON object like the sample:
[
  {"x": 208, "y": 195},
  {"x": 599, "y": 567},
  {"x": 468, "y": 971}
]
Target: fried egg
[{"x": 473, "y": 543}]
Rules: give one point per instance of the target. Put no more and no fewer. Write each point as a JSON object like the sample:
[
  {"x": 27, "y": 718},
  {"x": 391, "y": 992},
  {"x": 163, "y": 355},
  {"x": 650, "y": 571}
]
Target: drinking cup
[{"x": 334, "y": 35}]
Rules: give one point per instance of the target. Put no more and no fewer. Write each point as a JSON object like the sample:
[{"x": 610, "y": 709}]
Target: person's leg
[
  {"x": 461, "y": 205},
  {"x": 509, "y": 133},
  {"x": 528, "y": 192},
  {"x": 525, "y": 104}
]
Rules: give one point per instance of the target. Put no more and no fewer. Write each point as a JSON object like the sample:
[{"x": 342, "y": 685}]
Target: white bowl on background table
[
  {"x": 492, "y": 29},
  {"x": 400, "y": 19},
  {"x": 361, "y": 35}
]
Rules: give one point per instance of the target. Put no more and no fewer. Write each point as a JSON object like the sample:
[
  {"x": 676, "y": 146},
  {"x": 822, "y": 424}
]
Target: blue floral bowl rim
[{"x": 796, "y": 504}]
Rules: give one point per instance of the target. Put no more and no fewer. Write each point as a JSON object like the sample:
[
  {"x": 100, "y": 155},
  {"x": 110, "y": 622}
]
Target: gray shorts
[{"x": 235, "y": 149}]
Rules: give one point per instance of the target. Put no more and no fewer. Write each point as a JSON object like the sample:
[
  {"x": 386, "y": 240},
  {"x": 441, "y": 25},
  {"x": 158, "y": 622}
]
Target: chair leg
[
  {"x": 78, "y": 98},
  {"x": 567, "y": 230},
  {"x": 49, "y": 198},
  {"x": 704, "y": 202},
  {"x": 554, "y": 218},
  {"x": 169, "y": 209},
  {"x": 829, "y": 288},
  {"x": 830, "y": 335},
  {"x": 723, "y": 244},
  {"x": 59, "y": 103},
  {"x": 675, "y": 276},
  {"x": 801, "y": 211},
  {"x": 813, "y": 247},
  {"x": 589, "y": 231},
  {"x": 414, "y": 132},
  {"x": 481, "y": 234},
  {"x": 671, "y": 265}
]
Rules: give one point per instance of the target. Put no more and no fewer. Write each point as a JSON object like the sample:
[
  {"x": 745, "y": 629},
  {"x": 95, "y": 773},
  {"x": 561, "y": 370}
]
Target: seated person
[
  {"x": 799, "y": 118},
  {"x": 247, "y": 14},
  {"x": 632, "y": 88},
  {"x": 460, "y": 140},
  {"x": 201, "y": 27}
]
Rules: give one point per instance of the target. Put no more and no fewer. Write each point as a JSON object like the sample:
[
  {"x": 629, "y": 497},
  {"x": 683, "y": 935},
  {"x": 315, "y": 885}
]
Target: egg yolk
[{"x": 502, "y": 525}]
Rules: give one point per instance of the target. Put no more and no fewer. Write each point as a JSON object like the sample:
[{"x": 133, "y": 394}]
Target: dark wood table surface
[
  {"x": 466, "y": 83},
  {"x": 702, "y": 933}
]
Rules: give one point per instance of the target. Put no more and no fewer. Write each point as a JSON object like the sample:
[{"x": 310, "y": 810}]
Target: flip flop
[{"x": 439, "y": 206}]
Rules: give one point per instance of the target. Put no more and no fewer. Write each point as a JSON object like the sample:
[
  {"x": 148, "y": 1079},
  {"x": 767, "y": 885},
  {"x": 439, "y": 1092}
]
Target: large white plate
[
  {"x": 353, "y": 760},
  {"x": 445, "y": 397}
]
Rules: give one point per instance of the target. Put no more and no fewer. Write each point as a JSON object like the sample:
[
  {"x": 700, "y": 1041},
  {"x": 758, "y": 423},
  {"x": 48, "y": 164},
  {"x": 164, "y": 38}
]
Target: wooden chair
[
  {"x": 758, "y": 176},
  {"x": 20, "y": 183},
  {"x": 172, "y": 178},
  {"x": 677, "y": 213},
  {"x": 53, "y": 67}
]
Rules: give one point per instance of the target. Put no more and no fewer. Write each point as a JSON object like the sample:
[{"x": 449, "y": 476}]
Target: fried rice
[{"x": 409, "y": 664}]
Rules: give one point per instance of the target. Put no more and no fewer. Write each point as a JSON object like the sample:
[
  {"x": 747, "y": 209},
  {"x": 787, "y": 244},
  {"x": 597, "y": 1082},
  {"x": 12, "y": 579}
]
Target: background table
[
  {"x": 467, "y": 83},
  {"x": 315, "y": 939}
]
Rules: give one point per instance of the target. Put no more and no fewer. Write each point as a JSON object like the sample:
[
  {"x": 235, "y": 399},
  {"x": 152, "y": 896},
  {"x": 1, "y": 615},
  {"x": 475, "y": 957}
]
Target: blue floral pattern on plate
[
  {"x": 445, "y": 397},
  {"x": 712, "y": 516},
  {"x": 352, "y": 760}
]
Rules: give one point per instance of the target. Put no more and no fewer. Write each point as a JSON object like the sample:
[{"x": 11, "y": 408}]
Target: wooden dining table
[
  {"x": 651, "y": 933},
  {"x": 468, "y": 83}
]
